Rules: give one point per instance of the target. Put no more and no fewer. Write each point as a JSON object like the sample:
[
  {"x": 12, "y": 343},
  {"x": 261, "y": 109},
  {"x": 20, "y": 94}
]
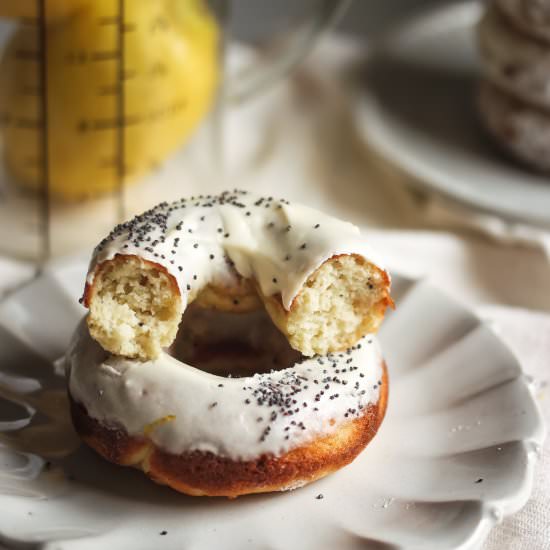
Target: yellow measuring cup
[{"x": 170, "y": 70}]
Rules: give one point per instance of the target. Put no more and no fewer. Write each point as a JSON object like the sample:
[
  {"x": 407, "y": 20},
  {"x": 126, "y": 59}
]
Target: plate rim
[{"x": 421, "y": 175}]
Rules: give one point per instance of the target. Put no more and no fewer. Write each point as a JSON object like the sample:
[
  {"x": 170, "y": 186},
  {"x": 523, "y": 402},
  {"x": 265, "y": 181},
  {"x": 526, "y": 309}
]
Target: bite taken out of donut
[
  {"x": 232, "y": 409},
  {"x": 321, "y": 284}
]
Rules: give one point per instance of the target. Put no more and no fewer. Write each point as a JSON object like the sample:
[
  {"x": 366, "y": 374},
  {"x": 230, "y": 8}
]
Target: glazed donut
[
  {"x": 204, "y": 434},
  {"x": 520, "y": 129},
  {"x": 320, "y": 283},
  {"x": 531, "y": 16},
  {"x": 514, "y": 61}
]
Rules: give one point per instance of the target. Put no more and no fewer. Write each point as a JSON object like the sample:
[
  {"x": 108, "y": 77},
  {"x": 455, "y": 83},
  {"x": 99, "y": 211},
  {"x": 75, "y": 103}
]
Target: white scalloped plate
[{"x": 456, "y": 451}]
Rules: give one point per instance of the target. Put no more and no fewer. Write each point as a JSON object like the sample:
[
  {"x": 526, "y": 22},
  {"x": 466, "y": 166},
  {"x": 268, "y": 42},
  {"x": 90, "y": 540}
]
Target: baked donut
[
  {"x": 319, "y": 281},
  {"x": 520, "y": 129},
  {"x": 513, "y": 60},
  {"x": 205, "y": 434},
  {"x": 531, "y": 16}
]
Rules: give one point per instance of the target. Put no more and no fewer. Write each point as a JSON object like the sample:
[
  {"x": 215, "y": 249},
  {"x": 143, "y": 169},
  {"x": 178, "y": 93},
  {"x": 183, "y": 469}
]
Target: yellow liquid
[
  {"x": 170, "y": 75},
  {"x": 56, "y": 9}
]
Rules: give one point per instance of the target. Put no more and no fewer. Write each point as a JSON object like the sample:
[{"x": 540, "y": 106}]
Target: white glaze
[
  {"x": 257, "y": 243},
  {"x": 134, "y": 394}
]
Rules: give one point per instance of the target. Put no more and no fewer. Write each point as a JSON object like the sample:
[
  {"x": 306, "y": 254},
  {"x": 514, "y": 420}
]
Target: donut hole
[
  {"x": 342, "y": 301},
  {"x": 232, "y": 344},
  {"x": 133, "y": 311}
]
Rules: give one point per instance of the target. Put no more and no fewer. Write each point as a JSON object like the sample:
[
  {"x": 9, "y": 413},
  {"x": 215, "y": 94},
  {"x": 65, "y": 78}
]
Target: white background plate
[
  {"x": 417, "y": 108},
  {"x": 459, "y": 411}
]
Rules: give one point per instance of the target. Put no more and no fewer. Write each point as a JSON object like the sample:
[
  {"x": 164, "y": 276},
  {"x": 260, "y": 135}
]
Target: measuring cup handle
[{"x": 253, "y": 80}]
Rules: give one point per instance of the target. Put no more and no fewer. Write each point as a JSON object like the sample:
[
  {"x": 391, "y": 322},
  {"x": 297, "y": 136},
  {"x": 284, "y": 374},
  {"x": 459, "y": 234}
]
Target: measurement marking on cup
[
  {"x": 109, "y": 20},
  {"x": 113, "y": 162},
  {"x": 102, "y": 124},
  {"x": 22, "y": 123},
  {"x": 106, "y": 55},
  {"x": 81, "y": 57},
  {"x": 77, "y": 57},
  {"x": 109, "y": 90},
  {"x": 27, "y": 55},
  {"x": 115, "y": 20},
  {"x": 32, "y": 91},
  {"x": 28, "y": 123},
  {"x": 109, "y": 162},
  {"x": 158, "y": 69},
  {"x": 28, "y": 21},
  {"x": 128, "y": 75}
]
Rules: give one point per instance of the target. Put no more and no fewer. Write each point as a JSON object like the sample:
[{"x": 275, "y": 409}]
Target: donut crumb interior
[
  {"x": 135, "y": 307},
  {"x": 134, "y": 311},
  {"x": 342, "y": 301}
]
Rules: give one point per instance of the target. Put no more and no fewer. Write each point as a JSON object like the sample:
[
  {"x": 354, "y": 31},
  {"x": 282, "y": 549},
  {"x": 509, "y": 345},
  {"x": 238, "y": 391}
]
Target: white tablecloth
[{"x": 298, "y": 141}]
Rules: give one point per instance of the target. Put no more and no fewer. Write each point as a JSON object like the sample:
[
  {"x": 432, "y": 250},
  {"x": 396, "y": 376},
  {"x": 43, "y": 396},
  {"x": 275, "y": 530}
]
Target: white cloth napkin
[
  {"x": 528, "y": 335},
  {"x": 299, "y": 141}
]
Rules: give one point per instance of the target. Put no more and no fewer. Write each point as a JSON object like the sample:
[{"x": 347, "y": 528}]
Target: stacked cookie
[{"x": 514, "y": 100}]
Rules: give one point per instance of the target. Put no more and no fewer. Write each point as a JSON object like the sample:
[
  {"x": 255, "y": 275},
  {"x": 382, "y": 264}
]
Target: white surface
[
  {"x": 460, "y": 410},
  {"x": 418, "y": 110}
]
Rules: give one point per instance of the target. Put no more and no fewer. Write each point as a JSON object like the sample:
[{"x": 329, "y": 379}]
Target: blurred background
[{"x": 364, "y": 20}]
